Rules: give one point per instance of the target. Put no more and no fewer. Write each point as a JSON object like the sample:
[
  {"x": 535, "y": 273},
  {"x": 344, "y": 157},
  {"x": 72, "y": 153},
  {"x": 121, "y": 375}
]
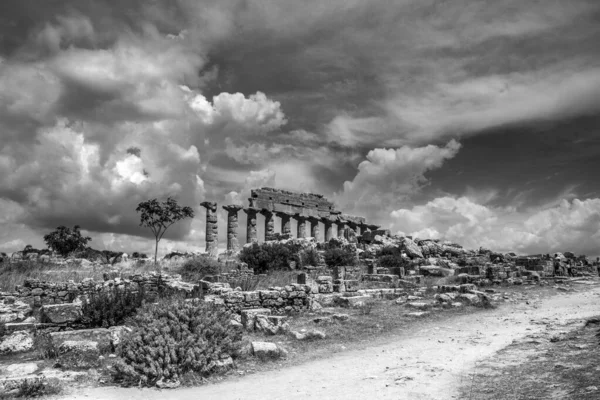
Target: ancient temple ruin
[{"x": 308, "y": 209}]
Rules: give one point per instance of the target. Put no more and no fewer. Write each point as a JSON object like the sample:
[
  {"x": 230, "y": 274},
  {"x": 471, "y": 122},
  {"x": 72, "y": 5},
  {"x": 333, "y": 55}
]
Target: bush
[
  {"x": 110, "y": 307},
  {"x": 37, "y": 387},
  {"x": 197, "y": 268},
  {"x": 391, "y": 257},
  {"x": 173, "y": 338},
  {"x": 266, "y": 257},
  {"x": 309, "y": 257},
  {"x": 339, "y": 256}
]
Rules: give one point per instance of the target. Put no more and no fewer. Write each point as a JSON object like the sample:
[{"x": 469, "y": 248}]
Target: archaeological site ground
[{"x": 340, "y": 308}]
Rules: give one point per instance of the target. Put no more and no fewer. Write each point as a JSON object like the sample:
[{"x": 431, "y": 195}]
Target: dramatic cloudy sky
[{"x": 476, "y": 121}]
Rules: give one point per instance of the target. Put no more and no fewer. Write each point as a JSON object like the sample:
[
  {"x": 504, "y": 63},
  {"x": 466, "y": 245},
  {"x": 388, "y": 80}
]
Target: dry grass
[{"x": 15, "y": 273}]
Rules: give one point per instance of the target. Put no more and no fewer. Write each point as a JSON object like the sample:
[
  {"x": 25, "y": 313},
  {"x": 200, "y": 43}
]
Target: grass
[
  {"x": 35, "y": 387},
  {"x": 15, "y": 273}
]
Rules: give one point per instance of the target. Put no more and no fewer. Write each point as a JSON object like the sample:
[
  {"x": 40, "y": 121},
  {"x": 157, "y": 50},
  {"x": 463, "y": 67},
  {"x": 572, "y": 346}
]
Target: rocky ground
[{"x": 445, "y": 356}]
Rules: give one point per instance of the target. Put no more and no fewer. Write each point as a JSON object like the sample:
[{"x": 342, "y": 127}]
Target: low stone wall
[
  {"x": 37, "y": 293},
  {"x": 295, "y": 297}
]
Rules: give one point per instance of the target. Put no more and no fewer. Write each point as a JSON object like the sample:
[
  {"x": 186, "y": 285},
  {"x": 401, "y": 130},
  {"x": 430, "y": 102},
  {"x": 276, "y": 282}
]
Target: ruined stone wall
[
  {"x": 295, "y": 297},
  {"x": 37, "y": 293}
]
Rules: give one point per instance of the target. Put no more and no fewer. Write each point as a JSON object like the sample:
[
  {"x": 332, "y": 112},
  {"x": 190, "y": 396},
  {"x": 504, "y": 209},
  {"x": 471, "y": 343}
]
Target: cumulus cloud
[
  {"x": 569, "y": 226},
  {"x": 104, "y": 104},
  {"x": 387, "y": 176}
]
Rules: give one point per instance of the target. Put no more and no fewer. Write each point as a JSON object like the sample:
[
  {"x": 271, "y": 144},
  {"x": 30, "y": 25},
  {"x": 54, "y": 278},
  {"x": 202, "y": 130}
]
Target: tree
[
  {"x": 64, "y": 240},
  {"x": 159, "y": 216}
]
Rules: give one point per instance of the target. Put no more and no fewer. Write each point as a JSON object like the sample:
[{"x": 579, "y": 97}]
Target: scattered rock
[
  {"x": 168, "y": 384},
  {"x": 309, "y": 335}
]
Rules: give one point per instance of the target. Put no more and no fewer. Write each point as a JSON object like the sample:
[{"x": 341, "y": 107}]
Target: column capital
[
  {"x": 266, "y": 212},
  {"x": 209, "y": 205},
  {"x": 232, "y": 207}
]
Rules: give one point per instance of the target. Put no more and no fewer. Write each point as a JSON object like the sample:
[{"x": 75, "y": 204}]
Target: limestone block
[
  {"x": 266, "y": 350},
  {"x": 251, "y": 296},
  {"x": 355, "y": 301},
  {"x": 249, "y": 316},
  {"x": 269, "y": 294},
  {"x": 271, "y": 324},
  {"x": 469, "y": 298},
  {"x": 76, "y": 354},
  {"x": 102, "y": 336},
  {"x": 61, "y": 313},
  {"x": 309, "y": 335},
  {"x": 17, "y": 342}
]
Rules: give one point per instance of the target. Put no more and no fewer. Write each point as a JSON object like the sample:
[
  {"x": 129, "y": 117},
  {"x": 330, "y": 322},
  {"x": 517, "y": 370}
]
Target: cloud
[
  {"x": 387, "y": 176},
  {"x": 569, "y": 226}
]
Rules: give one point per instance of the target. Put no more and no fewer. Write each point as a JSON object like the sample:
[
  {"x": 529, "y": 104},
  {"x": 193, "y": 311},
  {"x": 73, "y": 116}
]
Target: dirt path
[{"x": 429, "y": 363}]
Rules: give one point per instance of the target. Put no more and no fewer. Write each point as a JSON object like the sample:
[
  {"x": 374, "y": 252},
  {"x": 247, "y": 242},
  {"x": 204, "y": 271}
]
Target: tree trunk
[{"x": 155, "y": 251}]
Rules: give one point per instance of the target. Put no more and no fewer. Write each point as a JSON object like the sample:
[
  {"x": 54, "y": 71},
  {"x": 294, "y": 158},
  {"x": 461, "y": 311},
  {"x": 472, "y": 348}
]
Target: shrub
[
  {"x": 265, "y": 257},
  {"x": 37, "y": 387},
  {"x": 391, "y": 257},
  {"x": 339, "y": 256},
  {"x": 173, "y": 338},
  {"x": 197, "y": 268},
  {"x": 309, "y": 257},
  {"x": 110, "y": 307}
]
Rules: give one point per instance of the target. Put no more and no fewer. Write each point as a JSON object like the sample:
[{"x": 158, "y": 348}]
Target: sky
[{"x": 474, "y": 121}]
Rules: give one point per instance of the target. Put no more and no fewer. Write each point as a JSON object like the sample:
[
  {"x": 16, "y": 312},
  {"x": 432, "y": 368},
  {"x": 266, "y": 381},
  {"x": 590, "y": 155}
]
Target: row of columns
[{"x": 331, "y": 227}]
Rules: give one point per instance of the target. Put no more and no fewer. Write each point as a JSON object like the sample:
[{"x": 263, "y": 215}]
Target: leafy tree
[
  {"x": 160, "y": 216},
  {"x": 64, "y": 240}
]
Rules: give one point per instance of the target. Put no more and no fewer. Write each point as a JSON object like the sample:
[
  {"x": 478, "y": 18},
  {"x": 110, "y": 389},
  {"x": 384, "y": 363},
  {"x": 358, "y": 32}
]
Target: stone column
[
  {"x": 286, "y": 225},
  {"x": 341, "y": 227},
  {"x": 212, "y": 230},
  {"x": 328, "y": 229},
  {"x": 251, "y": 233},
  {"x": 314, "y": 228},
  {"x": 269, "y": 225},
  {"x": 301, "y": 226},
  {"x": 232, "y": 226},
  {"x": 354, "y": 227}
]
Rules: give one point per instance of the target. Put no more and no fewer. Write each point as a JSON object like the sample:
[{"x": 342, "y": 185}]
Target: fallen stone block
[
  {"x": 266, "y": 350},
  {"x": 355, "y": 301},
  {"x": 418, "y": 305},
  {"x": 61, "y": 313},
  {"x": 271, "y": 324},
  {"x": 102, "y": 336},
  {"x": 249, "y": 317},
  {"x": 470, "y": 298},
  {"x": 78, "y": 354},
  {"x": 309, "y": 335},
  {"x": 17, "y": 342}
]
